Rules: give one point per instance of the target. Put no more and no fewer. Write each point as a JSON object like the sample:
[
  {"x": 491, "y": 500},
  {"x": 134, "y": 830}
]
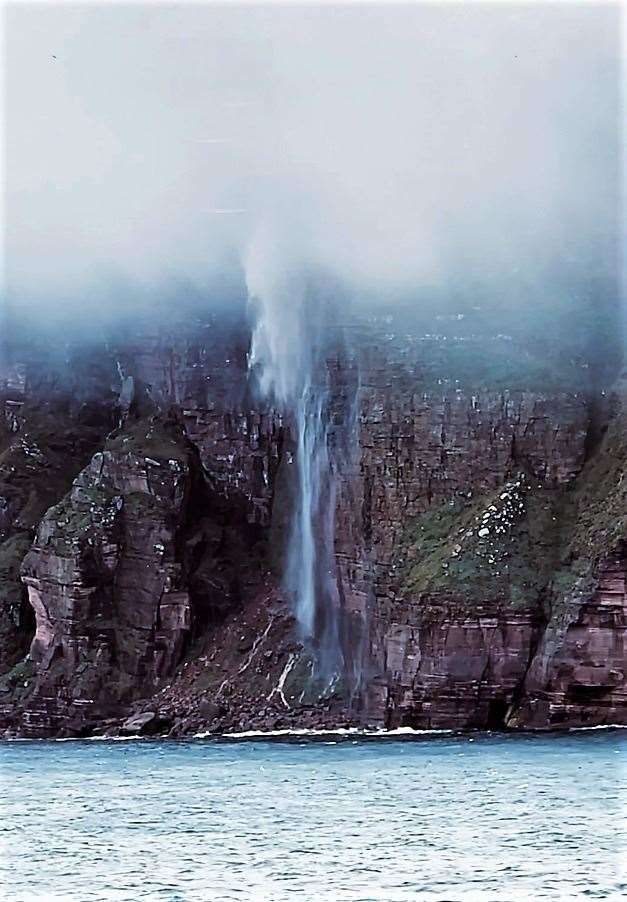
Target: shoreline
[{"x": 342, "y": 733}]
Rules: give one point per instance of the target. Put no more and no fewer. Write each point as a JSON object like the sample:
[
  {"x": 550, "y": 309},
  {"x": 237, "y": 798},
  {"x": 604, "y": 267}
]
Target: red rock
[{"x": 164, "y": 539}]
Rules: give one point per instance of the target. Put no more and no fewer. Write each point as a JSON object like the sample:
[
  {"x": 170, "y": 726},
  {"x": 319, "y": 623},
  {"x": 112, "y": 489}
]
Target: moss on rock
[
  {"x": 151, "y": 437},
  {"x": 596, "y": 508},
  {"x": 498, "y": 546},
  {"x": 526, "y": 540}
]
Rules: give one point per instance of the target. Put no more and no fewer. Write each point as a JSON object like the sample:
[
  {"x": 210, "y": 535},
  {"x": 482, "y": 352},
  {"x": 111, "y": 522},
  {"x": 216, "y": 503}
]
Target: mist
[{"x": 408, "y": 151}]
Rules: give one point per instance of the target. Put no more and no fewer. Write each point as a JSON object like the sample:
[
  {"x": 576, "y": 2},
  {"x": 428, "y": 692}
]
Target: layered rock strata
[
  {"x": 479, "y": 538},
  {"x": 104, "y": 577}
]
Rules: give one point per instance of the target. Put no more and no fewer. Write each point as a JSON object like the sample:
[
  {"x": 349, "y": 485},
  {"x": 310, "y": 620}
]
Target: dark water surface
[{"x": 445, "y": 818}]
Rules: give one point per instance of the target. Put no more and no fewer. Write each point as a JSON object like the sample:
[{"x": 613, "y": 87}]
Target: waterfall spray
[
  {"x": 286, "y": 355},
  {"x": 311, "y": 575}
]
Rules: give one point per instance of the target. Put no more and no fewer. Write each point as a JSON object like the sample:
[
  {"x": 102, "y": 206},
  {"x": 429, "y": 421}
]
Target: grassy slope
[
  {"x": 151, "y": 437},
  {"x": 538, "y": 538}
]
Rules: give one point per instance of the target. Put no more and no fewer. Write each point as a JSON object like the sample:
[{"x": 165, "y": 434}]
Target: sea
[{"x": 325, "y": 817}]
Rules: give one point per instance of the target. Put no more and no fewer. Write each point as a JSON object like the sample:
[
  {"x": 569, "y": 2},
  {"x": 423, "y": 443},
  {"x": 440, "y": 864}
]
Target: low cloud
[{"x": 400, "y": 148}]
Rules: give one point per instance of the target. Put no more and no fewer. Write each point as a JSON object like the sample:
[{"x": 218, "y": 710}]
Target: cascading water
[
  {"x": 287, "y": 356},
  {"x": 311, "y": 457},
  {"x": 311, "y": 575}
]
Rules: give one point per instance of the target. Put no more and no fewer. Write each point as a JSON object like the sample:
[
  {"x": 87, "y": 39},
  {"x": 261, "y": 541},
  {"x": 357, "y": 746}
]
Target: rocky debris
[
  {"x": 138, "y": 723},
  {"x": 250, "y": 674}
]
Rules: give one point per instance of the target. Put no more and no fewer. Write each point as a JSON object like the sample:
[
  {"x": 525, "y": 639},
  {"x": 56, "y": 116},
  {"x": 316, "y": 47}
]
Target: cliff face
[
  {"x": 480, "y": 527},
  {"x": 578, "y": 673},
  {"x": 104, "y": 580},
  {"x": 48, "y": 431}
]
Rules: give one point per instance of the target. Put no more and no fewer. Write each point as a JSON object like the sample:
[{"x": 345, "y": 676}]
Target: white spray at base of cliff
[{"x": 285, "y": 357}]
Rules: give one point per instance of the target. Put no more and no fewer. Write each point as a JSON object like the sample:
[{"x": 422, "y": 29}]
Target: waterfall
[
  {"x": 287, "y": 356},
  {"x": 311, "y": 575},
  {"x": 311, "y": 459}
]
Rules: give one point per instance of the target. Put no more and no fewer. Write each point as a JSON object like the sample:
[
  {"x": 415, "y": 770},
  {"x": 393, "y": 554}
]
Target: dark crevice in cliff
[
  {"x": 497, "y": 714},
  {"x": 538, "y": 628},
  {"x": 366, "y": 511},
  {"x": 223, "y": 552},
  {"x": 601, "y": 409}
]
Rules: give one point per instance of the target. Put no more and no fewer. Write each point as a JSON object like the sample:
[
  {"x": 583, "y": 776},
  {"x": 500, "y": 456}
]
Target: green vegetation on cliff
[
  {"x": 500, "y": 546},
  {"x": 596, "y": 509},
  {"x": 151, "y": 437},
  {"x": 525, "y": 539}
]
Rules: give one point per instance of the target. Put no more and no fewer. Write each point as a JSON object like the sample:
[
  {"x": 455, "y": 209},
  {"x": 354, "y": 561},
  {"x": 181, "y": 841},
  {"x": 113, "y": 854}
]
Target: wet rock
[
  {"x": 146, "y": 723},
  {"x": 140, "y": 724}
]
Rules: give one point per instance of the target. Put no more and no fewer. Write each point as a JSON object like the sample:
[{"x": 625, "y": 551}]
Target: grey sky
[{"x": 395, "y": 146}]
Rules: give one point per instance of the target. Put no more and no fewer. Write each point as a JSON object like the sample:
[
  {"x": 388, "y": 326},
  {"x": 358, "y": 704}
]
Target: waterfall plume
[{"x": 287, "y": 357}]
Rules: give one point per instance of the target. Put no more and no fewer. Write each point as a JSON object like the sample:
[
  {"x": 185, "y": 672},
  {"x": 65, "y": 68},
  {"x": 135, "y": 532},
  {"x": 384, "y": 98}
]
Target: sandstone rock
[
  {"x": 104, "y": 581},
  {"x": 164, "y": 537}
]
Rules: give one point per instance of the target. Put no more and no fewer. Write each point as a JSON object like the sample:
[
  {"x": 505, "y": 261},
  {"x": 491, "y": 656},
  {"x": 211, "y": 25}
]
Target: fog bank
[{"x": 405, "y": 150}]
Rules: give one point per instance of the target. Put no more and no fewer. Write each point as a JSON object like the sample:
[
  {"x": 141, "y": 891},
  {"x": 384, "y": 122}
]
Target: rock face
[
  {"x": 105, "y": 580},
  {"x": 16, "y": 615},
  {"x": 451, "y": 666},
  {"x": 480, "y": 528},
  {"x": 509, "y": 608},
  {"x": 47, "y": 434},
  {"x": 578, "y": 675}
]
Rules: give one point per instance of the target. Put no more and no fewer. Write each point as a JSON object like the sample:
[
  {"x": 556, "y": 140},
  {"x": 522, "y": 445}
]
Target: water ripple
[{"x": 495, "y": 819}]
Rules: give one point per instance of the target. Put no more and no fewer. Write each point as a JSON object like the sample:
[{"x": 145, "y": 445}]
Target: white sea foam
[
  {"x": 355, "y": 732},
  {"x": 313, "y": 733}
]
